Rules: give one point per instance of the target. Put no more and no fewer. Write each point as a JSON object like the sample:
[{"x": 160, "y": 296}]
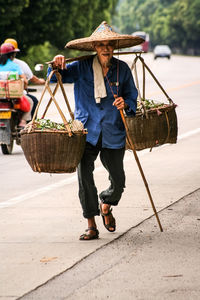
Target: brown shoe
[
  {"x": 112, "y": 223},
  {"x": 89, "y": 236}
]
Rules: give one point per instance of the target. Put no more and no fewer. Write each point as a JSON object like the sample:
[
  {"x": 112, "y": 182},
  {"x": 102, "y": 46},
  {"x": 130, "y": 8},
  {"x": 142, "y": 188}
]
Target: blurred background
[{"x": 43, "y": 27}]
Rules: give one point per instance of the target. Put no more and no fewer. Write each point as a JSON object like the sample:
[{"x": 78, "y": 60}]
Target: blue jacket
[
  {"x": 104, "y": 117},
  {"x": 11, "y": 66}
]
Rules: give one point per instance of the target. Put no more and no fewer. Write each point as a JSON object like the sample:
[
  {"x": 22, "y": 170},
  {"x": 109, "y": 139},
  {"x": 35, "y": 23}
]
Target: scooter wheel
[{"x": 7, "y": 149}]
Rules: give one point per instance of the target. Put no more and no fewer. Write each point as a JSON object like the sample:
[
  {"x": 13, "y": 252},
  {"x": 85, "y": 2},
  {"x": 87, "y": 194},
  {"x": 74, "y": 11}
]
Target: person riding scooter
[
  {"x": 28, "y": 73},
  {"x": 7, "y": 55}
]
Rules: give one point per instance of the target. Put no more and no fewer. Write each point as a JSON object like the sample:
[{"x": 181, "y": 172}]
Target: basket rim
[
  {"x": 165, "y": 107},
  {"x": 22, "y": 132}
]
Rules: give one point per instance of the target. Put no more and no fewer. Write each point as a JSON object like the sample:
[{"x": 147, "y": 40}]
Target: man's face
[{"x": 104, "y": 51}]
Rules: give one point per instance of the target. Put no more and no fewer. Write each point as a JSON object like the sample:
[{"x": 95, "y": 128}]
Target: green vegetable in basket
[
  {"x": 149, "y": 104},
  {"x": 48, "y": 124},
  {"x": 74, "y": 125}
]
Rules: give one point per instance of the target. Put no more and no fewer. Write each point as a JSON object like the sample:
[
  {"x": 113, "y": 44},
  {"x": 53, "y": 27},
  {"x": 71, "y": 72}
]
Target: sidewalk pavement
[
  {"x": 142, "y": 264},
  {"x": 39, "y": 237}
]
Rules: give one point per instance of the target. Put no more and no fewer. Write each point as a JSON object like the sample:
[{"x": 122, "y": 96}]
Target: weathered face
[{"x": 104, "y": 51}]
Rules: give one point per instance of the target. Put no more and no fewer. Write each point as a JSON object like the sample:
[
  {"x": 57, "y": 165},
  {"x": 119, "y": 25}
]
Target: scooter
[{"x": 10, "y": 116}]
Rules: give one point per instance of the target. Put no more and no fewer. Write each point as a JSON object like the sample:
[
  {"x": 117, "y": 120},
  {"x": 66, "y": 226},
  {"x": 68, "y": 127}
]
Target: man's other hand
[{"x": 120, "y": 103}]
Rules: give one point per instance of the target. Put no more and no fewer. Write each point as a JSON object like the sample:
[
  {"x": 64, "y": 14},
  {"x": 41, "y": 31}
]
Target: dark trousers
[{"x": 112, "y": 160}]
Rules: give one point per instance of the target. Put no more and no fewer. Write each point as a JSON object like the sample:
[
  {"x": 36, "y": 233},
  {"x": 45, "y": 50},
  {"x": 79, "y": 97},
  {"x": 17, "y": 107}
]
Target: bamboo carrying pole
[{"x": 67, "y": 60}]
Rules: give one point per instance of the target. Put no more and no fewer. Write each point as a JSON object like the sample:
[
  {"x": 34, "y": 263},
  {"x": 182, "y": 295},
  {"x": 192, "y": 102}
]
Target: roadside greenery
[
  {"x": 43, "y": 27},
  {"x": 172, "y": 22},
  {"x": 33, "y": 22}
]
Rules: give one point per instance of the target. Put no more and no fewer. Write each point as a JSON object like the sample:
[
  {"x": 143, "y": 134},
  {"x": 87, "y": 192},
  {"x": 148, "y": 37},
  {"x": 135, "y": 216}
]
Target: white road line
[
  {"x": 37, "y": 192},
  {"x": 189, "y": 133},
  {"x": 73, "y": 178}
]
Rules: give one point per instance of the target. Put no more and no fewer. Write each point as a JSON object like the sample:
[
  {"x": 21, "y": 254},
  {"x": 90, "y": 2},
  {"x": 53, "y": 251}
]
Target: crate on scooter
[{"x": 11, "y": 88}]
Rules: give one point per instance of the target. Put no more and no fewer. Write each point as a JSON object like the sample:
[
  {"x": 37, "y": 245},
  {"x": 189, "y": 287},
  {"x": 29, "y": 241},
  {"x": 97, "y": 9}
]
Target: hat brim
[{"x": 87, "y": 44}]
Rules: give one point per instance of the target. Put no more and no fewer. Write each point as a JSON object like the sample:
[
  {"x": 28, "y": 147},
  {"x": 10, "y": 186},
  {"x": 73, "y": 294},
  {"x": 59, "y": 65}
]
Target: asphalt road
[
  {"x": 179, "y": 77},
  {"x": 40, "y": 215}
]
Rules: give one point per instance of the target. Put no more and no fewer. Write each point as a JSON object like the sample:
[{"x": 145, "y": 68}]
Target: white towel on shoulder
[{"x": 99, "y": 84}]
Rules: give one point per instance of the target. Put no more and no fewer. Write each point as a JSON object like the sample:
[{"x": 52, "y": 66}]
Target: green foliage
[
  {"x": 40, "y": 54},
  {"x": 43, "y": 27},
  {"x": 56, "y": 21},
  {"x": 173, "y": 22},
  {"x": 10, "y": 12}
]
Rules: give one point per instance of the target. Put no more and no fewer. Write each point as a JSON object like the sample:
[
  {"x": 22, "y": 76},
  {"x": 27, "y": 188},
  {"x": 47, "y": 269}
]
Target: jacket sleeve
[{"x": 69, "y": 75}]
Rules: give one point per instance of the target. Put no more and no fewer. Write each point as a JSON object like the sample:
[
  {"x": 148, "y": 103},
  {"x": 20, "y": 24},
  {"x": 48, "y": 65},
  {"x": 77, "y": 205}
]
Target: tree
[
  {"x": 56, "y": 21},
  {"x": 10, "y": 13},
  {"x": 175, "y": 22}
]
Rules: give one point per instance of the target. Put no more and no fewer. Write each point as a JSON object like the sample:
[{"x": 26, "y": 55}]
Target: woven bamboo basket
[
  {"x": 158, "y": 128},
  {"x": 151, "y": 127},
  {"x": 53, "y": 151}
]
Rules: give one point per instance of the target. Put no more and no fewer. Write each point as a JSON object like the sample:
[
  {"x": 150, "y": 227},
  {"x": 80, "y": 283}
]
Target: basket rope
[
  {"x": 52, "y": 98},
  {"x": 137, "y": 85},
  {"x": 138, "y": 56},
  {"x": 143, "y": 109},
  {"x": 48, "y": 105}
]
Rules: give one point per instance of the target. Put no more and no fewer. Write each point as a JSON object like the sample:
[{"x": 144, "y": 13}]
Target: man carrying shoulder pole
[{"x": 103, "y": 87}]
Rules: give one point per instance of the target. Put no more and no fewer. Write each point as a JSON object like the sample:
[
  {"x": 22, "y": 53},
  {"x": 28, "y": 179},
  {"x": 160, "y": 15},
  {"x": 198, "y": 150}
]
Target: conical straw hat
[{"x": 104, "y": 32}]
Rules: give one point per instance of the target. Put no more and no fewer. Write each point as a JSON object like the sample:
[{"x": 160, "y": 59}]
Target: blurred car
[
  {"x": 145, "y": 45},
  {"x": 162, "y": 51},
  {"x": 137, "y": 48}
]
